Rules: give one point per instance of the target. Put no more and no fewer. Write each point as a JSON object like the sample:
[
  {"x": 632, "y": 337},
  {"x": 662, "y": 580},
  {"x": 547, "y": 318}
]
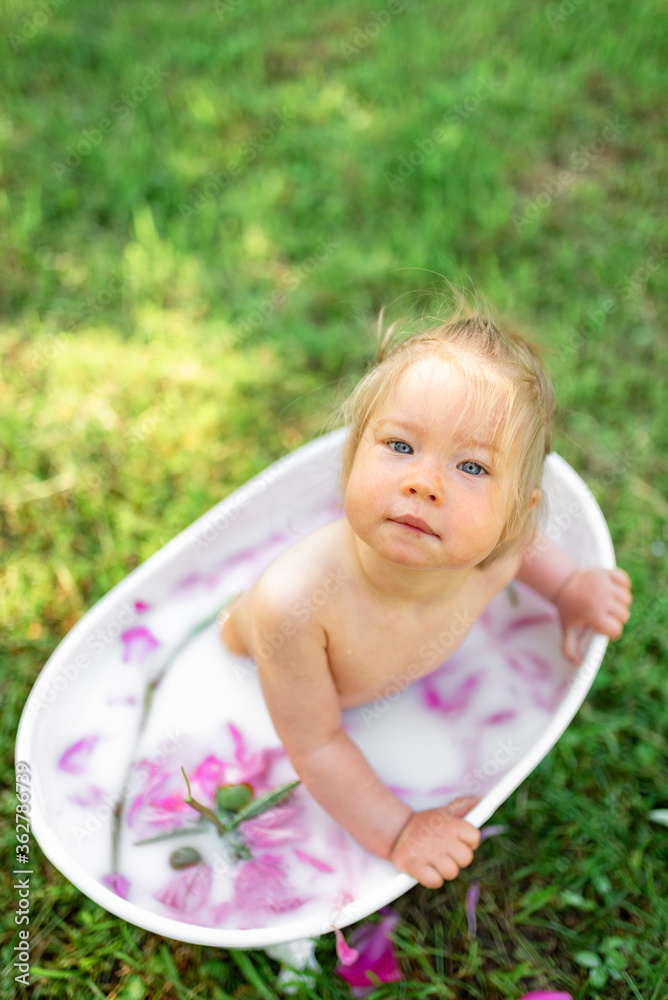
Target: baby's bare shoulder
[{"x": 294, "y": 585}]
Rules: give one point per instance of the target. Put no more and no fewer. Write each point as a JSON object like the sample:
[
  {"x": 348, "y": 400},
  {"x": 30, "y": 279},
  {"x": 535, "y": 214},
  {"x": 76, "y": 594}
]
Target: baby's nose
[
  {"x": 422, "y": 493},
  {"x": 425, "y": 484}
]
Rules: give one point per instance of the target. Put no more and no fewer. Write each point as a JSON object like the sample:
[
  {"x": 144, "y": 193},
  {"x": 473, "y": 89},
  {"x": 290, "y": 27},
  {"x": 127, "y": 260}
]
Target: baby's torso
[{"x": 372, "y": 650}]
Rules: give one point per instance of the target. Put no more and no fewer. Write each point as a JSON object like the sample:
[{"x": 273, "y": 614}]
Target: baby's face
[{"x": 410, "y": 462}]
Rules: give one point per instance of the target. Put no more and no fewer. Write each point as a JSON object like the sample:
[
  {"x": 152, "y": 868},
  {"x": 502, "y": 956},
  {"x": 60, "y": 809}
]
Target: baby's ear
[{"x": 535, "y": 497}]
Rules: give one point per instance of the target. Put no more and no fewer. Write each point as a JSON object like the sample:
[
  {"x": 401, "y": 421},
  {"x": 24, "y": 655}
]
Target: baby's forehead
[{"x": 432, "y": 391}]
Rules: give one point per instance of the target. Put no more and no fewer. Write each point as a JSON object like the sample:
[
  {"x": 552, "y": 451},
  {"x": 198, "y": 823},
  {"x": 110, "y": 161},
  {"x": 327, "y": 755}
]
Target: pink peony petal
[
  {"x": 309, "y": 860},
  {"x": 472, "y": 895},
  {"x": 261, "y": 886},
  {"x": 498, "y": 717},
  {"x": 492, "y": 830},
  {"x": 93, "y": 796},
  {"x": 270, "y": 828},
  {"x": 118, "y": 883},
  {"x": 458, "y": 701},
  {"x": 75, "y": 758},
  {"x": 188, "y": 891},
  {"x": 375, "y": 954},
  {"x": 530, "y": 665},
  {"x": 546, "y": 995},
  {"x": 209, "y": 774},
  {"x": 138, "y": 643},
  {"x": 144, "y": 801},
  {"x": 527, "y": 621},
  {"x": 346, "y": 955}
]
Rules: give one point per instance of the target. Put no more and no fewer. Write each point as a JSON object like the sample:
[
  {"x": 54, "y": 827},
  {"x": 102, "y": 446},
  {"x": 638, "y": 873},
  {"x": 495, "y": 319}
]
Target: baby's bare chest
[{"x": 372, "y": 651}]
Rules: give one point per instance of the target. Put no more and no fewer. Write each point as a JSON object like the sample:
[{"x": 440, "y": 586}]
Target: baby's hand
[
  {"x": 435, "y": 843},
  {"x": 593, "y": 598}
]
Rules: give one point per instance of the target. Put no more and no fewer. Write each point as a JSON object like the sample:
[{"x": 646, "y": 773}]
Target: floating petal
[
  {"x": 118, "y": 883},
  {"x": 309, "y": 860},
  {"x": 261, "y": 886},
  {"x": 189, "y": 891},
  {"x": 138, "y": 643},
  {"x": 75, "y": 758}
]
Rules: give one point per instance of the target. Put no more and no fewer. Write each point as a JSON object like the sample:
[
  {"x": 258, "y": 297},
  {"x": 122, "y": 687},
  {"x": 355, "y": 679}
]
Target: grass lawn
[{"x": 203, "y": 206}]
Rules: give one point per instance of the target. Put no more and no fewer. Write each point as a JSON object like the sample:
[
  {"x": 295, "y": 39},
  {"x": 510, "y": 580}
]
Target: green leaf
[
  {"x": 615, "y": 960},
  {"x": 599, "y": 976},
  {"x": 602, "y": 884},
  {"x": 231, "y": 798},
  {"x": 658, "y": 816},
  {"x": 575, "y": 899},
  {"x": 589, "y": 959},
  {"x": 241, "y": 851},
  {"x": 534, "y": 900},
  {"x": 260, "y": 805},
  {"x": 611, "y": 943}
]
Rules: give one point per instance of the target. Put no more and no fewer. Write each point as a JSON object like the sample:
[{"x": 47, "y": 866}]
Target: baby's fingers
[
  {"x": 612, "y": 624},
  {"x": 622, "y": 583},
  {"x": 429, "y": 877},
  {"x": 442, "y": 868}
]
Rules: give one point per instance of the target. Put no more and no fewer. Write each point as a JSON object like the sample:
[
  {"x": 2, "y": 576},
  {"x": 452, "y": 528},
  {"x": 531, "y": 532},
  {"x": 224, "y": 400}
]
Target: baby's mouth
[{"x": 414, "y": 524}]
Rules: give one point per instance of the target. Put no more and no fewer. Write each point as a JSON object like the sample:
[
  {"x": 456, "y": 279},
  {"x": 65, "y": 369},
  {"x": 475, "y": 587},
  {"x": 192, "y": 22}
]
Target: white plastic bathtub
[{"x": 479, "y": 724}]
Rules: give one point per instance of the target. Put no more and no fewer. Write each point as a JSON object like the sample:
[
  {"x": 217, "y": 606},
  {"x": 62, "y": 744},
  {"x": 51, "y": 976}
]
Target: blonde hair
[{"x": 506, "y": 379}]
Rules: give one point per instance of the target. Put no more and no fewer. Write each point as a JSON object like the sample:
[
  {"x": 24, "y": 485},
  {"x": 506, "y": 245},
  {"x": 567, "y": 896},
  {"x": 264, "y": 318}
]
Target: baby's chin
[{"x": 411, "y": 552}]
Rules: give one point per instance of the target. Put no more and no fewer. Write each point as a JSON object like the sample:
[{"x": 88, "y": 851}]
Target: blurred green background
[{"x": 203, "y": 207}]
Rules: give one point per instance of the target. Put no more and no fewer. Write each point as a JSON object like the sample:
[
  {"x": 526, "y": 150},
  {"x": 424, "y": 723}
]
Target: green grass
[{"x": 147, "y": 372}]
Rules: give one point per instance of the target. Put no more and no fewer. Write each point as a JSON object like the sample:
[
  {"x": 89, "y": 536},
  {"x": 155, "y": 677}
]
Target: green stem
[
  {"x": 150, "y": 689},
  {"x": 180, "y": 832},
  {"x": 203, "y": 810},
  {"x": 261, "y": 805}
]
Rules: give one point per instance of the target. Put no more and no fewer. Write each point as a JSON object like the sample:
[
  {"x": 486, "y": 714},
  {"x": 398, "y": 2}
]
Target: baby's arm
[
  {"x": 593, "y": 598},
  {"x": 303, "y": 702}
]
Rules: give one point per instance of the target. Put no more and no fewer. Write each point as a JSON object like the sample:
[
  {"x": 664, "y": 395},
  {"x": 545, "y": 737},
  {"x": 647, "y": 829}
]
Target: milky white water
[{"x": 456, "y": 731}]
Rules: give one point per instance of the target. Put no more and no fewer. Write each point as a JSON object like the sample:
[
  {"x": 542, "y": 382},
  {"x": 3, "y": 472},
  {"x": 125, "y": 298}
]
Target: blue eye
[
  {"x": 471, "y": 467},
  {"x": 402, "y": 443}
]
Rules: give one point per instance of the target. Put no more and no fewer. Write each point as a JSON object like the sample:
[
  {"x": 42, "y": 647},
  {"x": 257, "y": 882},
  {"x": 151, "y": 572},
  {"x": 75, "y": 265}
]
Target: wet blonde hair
[{"x": 507, "y": 382}]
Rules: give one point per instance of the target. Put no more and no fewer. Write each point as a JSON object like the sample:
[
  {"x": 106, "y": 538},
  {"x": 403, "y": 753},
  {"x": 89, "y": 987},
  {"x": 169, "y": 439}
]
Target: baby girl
[{"x": 441, "y": 488}]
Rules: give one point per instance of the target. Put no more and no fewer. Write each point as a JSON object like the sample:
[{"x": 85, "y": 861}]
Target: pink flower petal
[
  {"x": 118, "y": 883},
  {"x": 138, "y": 643},
  {"x": 151, "y": 787},
  {"x": 458, "y": 701},
  {"x": 346, "y": 955},
  {"x": 75, "y": 758},
  {"x": 472, "y": 895},
  {"x": 527, "y": 621},
  {"x": 498, "y": 717},
  {"x": 309, "y": 860},
  {"x": 546, "y": 995},
  {"x": 188, "y": 891},
  {"x": 270, "y": 828},
  {"x": 209, "y": 774},
  {"x": 261, "y": 886},
  {"x": 91, "y": 797},
  {"x": 375, "y": 954},
  {"x": 492, "y": 830}
]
